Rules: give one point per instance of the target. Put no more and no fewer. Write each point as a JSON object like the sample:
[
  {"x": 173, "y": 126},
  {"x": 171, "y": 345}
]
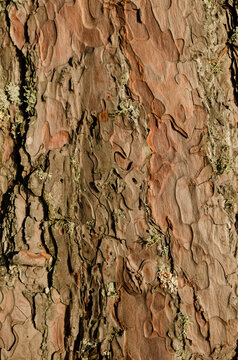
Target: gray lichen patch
[
  {"x": 4, "y": 102},
  {"x": 13, "y": 92},
  {"x": 2, "y": 6},
  {"x": 168, "y": 280},
  {"x": 178, "y": 332},
  {"x": 8, "y": 227},
  {"x": 216, "y": 90},
  {"x": 30, "y": 87},
  {"x": 111, "y": 290},
  {"x": 4, "y": 107}
]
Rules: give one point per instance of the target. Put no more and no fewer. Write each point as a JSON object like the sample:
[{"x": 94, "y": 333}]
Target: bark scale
[{"x": 118, "y": 179}]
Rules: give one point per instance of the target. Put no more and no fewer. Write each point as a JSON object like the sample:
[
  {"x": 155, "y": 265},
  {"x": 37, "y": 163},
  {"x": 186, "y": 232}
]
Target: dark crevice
[
  {"x": 236, "y": 223},
  {"x": 19, "y": 140},
  {"x": 43, "y": 239},
  {"x": 232, "y": 24},
  {"x": 67, "y": 328},
  {"x": 93, "y": 187},
  {"x": 94, "y": 126},
  {"x": 113, "y": 223},
  {"x": 77, "y": 340},
  {"x": 33, "y": 315},
  {"x": 70, "y": 268},
  {"x": 138, "y": 16},
  {"x": 54, "y": 258},
  {"x": 235, "y": 357},
  {"x": 6, "y": 201},
  {"x": 129, "y": 166},
  {"x": 27, "y": 214},
  {"x": 6, "y": 198}
]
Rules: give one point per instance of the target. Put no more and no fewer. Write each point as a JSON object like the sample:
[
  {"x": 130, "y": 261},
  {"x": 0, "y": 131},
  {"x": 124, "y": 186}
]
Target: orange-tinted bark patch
[{"x": 103, "y": 116}]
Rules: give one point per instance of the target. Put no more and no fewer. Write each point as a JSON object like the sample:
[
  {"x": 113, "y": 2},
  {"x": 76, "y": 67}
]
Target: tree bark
[{"x": 118, "y": 179}]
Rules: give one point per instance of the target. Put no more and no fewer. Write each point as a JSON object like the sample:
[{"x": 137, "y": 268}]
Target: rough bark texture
[{"x": 118, "y": 179}]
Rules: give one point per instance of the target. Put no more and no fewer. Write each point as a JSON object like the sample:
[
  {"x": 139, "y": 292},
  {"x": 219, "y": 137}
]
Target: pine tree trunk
[{"x": 118, "y": 179}]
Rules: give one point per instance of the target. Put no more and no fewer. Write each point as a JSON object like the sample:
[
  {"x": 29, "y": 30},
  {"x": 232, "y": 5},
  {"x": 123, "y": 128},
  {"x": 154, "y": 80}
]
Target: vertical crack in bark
[{"x": 232, "y": 43}]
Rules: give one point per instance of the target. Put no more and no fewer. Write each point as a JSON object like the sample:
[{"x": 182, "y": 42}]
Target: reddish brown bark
[{"x": 118, "y": 180}]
